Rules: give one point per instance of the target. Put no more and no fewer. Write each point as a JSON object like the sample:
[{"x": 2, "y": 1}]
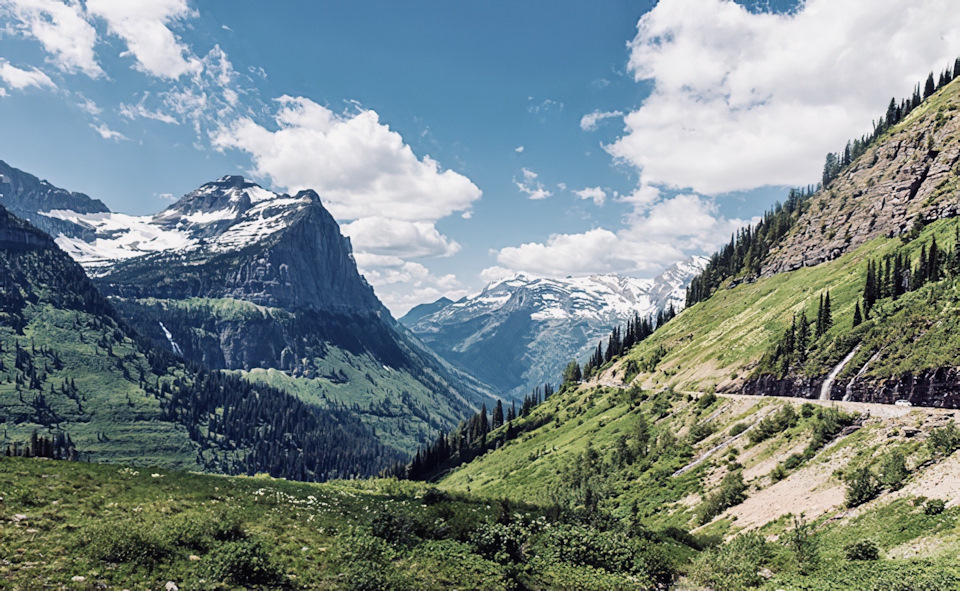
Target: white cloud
[
  {"x": 88, "y": 105},
  {"x": 144, "y": 27},
  {"x": 496, "y": 273},
  {"x": 519, "y": 149},
  {"x": 590, "y": 121},
  {"x": 743, "y": 100},
  {"x": 3, "y": 91},
  {"x": 597, "y": 194},
  {"x": 399, "y": 238},
  {"x": 20, "y": 79},
  {"x": 401, "y": 285},
  {"x": 141, "y": 111},
  {"x": 665, "y": 233},
  {"x": 61, "y": 28},
  {"x": 107, "y": 133},
  {"x": 369, "y": 178},
  {"x": 530, "y": 186},
  {"x": 360, "y": 167}
]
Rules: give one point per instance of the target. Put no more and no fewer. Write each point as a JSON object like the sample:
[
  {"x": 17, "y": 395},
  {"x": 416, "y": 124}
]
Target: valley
[{"x": 447, "y": 343}]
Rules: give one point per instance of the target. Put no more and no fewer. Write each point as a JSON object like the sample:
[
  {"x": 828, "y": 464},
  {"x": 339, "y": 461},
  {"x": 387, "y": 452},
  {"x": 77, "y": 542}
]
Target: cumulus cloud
[
  {"x": 399, "y": 238},
  {"x": 596, "y": 194},
  {"x": 145, "y": 28},
  {"x": 664, "y": 233},
  {"x": 519, "y": 149},
  {"x": 19, "y": 79},
  {"x": 743, "y": 100},
  {"x": 401, "y": 284},
  {"x": 359, "y": 166},
  {"x": 61, "y": 28},
  {"x": 591, "y": 121},
  {"x": 530, "y": 186}
]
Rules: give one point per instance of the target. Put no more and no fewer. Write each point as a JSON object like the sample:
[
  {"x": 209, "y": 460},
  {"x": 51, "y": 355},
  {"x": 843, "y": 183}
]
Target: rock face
[
  {"x": 910, "y": 174},
  {"x": 26, "y": 196},
  {"x": 936, "y": 387},
  {"x": 520, "y": 332}
]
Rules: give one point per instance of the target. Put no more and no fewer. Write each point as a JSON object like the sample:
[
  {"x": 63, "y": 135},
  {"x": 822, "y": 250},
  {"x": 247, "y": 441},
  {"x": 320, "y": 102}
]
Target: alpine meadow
[{"x": 653, "y": 296}]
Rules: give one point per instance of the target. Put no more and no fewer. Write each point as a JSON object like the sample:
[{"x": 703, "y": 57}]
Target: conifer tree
[{"x": 857, "y": 318}]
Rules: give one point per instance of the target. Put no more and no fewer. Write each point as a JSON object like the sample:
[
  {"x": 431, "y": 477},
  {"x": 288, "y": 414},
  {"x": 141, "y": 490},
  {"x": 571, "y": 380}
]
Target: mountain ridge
[{"x": 519, "y": 332}]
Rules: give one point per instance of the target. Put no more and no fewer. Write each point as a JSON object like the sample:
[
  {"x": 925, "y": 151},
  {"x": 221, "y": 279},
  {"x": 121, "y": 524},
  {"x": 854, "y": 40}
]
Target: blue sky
[{"x": 458, "y": 142}]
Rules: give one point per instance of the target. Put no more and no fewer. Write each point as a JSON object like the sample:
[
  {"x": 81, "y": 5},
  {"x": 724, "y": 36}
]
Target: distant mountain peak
[{"x": 519, "y": 331}]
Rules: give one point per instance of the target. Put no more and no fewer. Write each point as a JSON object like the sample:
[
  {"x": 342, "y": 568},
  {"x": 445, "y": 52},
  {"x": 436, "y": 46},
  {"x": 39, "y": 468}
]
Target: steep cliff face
[{"x": 908, "y": 175}]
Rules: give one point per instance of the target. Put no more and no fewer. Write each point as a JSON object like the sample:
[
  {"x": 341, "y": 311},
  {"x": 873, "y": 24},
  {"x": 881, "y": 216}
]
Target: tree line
[
  {"x": 896, "y": 112},
  {"x": 747, "y": 249}
]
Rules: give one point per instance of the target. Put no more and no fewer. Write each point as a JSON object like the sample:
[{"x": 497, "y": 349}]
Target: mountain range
[
  {"x": 235, "y": 277},
  {"x": 518, "y": 333}
]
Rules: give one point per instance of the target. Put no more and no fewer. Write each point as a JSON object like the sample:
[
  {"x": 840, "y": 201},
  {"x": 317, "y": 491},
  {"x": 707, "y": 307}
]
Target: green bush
[
  {"x": 729, "y": 494},
  {"x": 243, "y": 563},
  {"x": 706, "y": 400},
  {"x": 734, "y": 565},
  {"x": 934, "y": 507},
  {"x": 862, "y": 550},
  {"x": 793, "y": 461},
  {"x": 738, "y": 429},
  {"x": 613, "y": 552},
  {"x": 893, "y": 470},
  {"x": 782, "y": 420},
  {"x": 944, "y": 441},
  {"x": 132, "y": 541},
  {"x": 862, "y": 486}
]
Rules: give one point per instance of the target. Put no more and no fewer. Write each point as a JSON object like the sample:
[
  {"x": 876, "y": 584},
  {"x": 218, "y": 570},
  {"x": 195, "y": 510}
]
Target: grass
[
  {"x": 140, "y": 528},
  {"x": 112, "y": 419}
]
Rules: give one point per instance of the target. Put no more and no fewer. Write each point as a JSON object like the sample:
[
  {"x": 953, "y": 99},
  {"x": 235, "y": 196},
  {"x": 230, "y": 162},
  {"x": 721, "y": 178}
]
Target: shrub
[
  {"x": 934, "y": 507},
  {"x": 242, "y": 563},
  {"x": 135, "y": 542},
  {"x": 782, "y": 420},
  {"x": 862, "y": 486},
  {"x": 862, "y": 550},
  {"x": 730, "y": 493},
  {"x": 805, "y": 545},
  {"x": 734, "y": 565},
  {"x": 398, "y": 528},
  {"x": 706, "y": 400},
  {"x": 778, "y": 473},
  {"x": 893, "y": 470},
  {"x": 738, "y": 429},
  {"x": 944, "y": 441},
  {"x": 793, "y": 461}
]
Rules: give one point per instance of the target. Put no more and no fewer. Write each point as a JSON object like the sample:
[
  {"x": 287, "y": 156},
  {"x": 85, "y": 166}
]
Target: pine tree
[
  {"x": 857, "y": 318},
  {"x": 930, "y": 87},
  {"x": 497, "y": 415}
]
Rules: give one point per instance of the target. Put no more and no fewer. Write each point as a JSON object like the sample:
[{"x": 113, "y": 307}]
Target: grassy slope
[
  {"x": 116, "y": 526},
  {"x": 402, "y": 410},
  {"x": 716, "y": 343},
  {"x": 119, "y": 422}
]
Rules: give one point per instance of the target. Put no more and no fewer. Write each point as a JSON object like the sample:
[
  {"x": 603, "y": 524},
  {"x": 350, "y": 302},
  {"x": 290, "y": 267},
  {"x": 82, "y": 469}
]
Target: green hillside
[
  {"x": 73, "y": 371},
  {"x": 400, "y": 408},
  {"x": 77, "y": 525}
]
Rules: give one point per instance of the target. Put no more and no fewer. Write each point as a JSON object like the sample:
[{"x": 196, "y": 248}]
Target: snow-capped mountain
[
  {"x": 519, "y": 332},
  {"x": 234, "y": 276}
]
